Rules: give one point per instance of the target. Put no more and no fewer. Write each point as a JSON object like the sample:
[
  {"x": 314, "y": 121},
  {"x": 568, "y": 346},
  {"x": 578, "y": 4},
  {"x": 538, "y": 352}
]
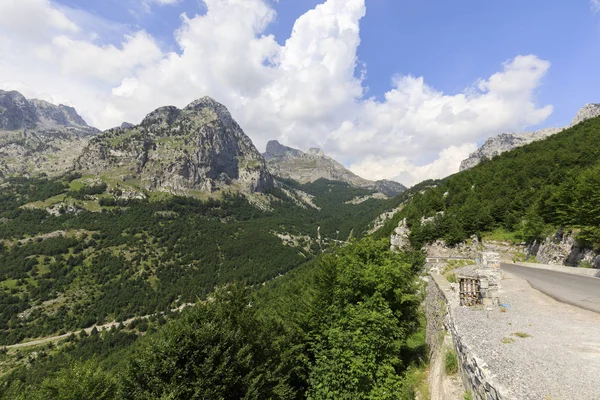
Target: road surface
[{"x": 580, "y": 291}]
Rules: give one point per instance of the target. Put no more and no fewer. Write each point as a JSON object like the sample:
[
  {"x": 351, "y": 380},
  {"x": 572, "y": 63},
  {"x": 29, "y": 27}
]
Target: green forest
[
  {"x": 530, "y": 192},
  {"x": 139, "y": 257},
  {"x": 335, "y": 316},
  {"x": 346, "y": 325}
]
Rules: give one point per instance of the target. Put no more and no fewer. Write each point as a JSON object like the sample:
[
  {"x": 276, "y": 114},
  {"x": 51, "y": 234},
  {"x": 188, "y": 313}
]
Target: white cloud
[
  {"x": 595, "y": 5},
  {"x": 304, "y": 93}
]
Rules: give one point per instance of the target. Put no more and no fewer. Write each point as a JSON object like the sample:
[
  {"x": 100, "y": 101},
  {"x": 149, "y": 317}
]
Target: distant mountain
[
  {"x": 39, "y": 137},
  {"x": 507, "y": 141},
  {"x": 199, "y": 148},
  {"x": 291, "y": 163}
]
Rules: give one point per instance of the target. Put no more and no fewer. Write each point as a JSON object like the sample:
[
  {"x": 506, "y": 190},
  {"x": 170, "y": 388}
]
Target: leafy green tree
[
  {"x": 82, "y": 381},
  {"x": 365, "y": 309},
  {"x": 216, "y": 350}
]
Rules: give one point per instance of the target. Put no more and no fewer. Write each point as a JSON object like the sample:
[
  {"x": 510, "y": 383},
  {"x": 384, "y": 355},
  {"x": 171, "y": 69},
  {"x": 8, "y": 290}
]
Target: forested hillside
[
  {"x": 346, "y": 326},
  {"x": 527, "y": 192},
  {"x": 74, "y": 268}
]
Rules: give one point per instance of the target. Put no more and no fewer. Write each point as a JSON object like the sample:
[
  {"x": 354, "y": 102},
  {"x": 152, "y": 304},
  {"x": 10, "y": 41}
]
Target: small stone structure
[{"x": 480, "y": 285}]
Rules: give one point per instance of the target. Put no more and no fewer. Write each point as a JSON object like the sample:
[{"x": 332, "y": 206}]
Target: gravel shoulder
[{"x": 539, "y": 348}]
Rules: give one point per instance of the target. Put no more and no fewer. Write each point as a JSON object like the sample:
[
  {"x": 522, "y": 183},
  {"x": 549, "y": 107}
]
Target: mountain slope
[
  {"x": 199, "y": 148},
  {"x": 533, "y": 191},
  {"x": 37, "y": 137},
  {"x": 290, "y": 163},
  {"x": 507, "y": 141}
]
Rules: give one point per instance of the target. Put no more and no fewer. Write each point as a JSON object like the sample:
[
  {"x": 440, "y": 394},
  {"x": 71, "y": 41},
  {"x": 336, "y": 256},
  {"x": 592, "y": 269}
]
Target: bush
[{"x": 450, "y": 362}]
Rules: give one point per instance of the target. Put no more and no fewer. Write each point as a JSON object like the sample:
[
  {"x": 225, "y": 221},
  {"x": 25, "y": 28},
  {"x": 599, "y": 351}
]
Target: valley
[{"x": 169, "y": 240}]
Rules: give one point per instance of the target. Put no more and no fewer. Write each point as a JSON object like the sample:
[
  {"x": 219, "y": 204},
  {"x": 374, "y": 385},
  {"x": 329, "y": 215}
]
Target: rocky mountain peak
[
  {"x": 315, "y": 151},
  {"x": 276, "y": 149},
  {"x": 38, "y": 136},
  {"x": 161, "y": 117},
  {"x": 290, "y": 163},
  {"x": 16, "y": 112},
  {"x": 586, "y": 112},
  {"x": 508, "y": 141},
  {"x": 199, "y": 148}
]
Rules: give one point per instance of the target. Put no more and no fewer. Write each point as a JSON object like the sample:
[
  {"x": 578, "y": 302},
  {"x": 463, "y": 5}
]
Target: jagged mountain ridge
[
  {"x": 507, "y": 141},
  {"x": 302, "y": 167},
  {"x": 39, "y": 137},
  {"x": 198, "y": 148}
]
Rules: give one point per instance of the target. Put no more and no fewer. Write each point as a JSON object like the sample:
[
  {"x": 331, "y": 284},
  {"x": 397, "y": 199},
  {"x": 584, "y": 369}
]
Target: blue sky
[
  {"x": 450, "y": 43},
  {"x": 394, "y": 89}
]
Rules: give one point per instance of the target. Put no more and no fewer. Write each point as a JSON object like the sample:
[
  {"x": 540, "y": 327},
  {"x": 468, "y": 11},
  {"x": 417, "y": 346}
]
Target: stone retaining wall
[{"x": 440, "y": 301}]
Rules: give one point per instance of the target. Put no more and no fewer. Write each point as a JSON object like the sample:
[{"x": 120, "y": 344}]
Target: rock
[
  {"x": 439, "y": 249},
  {"x": 37, "y": 137},
  {"x": 507, "y": 141},
  {"x": 126, "y": 125},
  {"x": 563, "y": 249},
  {"x": 399, "y": 239},
  {"x": 290, "y": 163},
  {"x": 199, "y": 148},
  {"x": 587, "y": 112}
]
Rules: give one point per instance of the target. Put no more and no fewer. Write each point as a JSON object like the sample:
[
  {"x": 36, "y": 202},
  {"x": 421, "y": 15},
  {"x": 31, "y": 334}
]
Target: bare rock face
[
  {"x": 587, "y": 112},
  {"x": 505, "y": 142},
  {"x": 302, "y": 167},
  {"x": 199, "y": 148},
  {"x": 39, "y": 137},
  {"x": 399, "y": 240},
  {"x": 508, "y": 141}
]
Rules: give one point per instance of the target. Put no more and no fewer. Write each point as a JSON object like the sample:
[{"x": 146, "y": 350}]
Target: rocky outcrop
[
  {"x": 587, "y": 112},
  {"x": 507, "y": 141},
  {"x": 290, "y": 163},
  {"x": 399, "y": 240},
  {"x": 199, "y": 148},
  {"x": 563, "y": 249},
  {"x": 37, "y": 137}
]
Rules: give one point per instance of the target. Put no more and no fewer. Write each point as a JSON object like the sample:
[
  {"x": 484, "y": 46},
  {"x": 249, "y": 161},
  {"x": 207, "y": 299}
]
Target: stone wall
[{"x": 440, "y": 301}]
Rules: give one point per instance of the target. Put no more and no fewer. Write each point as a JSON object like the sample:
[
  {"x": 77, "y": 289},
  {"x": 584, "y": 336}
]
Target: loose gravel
[{"x": 536, "y": 347}]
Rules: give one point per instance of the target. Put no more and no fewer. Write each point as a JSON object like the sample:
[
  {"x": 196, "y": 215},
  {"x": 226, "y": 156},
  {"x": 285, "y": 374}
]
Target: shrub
[{"x": 450, "y": 362}]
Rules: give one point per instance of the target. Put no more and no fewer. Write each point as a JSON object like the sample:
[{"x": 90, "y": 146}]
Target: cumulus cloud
[{"x": 304, "y": 93}]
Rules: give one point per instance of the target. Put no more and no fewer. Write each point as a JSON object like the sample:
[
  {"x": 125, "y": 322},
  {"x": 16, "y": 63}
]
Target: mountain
[
  {"x": 39, "y": 137},
  {"x": 507, "y": 141},
  {"x": 290, "y": 163},
  {"x": 198, "y": 148},
  {"x": 544, "y": 194}
]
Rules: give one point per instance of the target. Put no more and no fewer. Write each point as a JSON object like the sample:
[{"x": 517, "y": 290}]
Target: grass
[
  {"x": 521, "y": 334},
  {"x": 519, "y": 257},
  {"x": 468, "y": 395},
  {"x": 450, "y": 277},
  {"x": 585, "y": 264},
  {"x": 418, "y": 379},
  {"x": 49, "y": 202},
  {"x": 450, "y": 362},
  {"x": 502, "y": 235},
  {"x": 508, "y": 340}
]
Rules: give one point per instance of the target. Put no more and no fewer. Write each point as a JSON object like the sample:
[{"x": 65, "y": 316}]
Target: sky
[{"x": 394, "y": 89}]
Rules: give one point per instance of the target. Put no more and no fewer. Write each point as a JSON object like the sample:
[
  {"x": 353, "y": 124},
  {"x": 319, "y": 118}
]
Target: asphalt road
[{"x": 580, "y": 291}]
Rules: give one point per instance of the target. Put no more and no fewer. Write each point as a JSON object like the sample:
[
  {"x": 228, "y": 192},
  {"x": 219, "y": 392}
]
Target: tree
[
  {"x": 82, "y": 381},
  {"x": 216, "y": 350}
]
